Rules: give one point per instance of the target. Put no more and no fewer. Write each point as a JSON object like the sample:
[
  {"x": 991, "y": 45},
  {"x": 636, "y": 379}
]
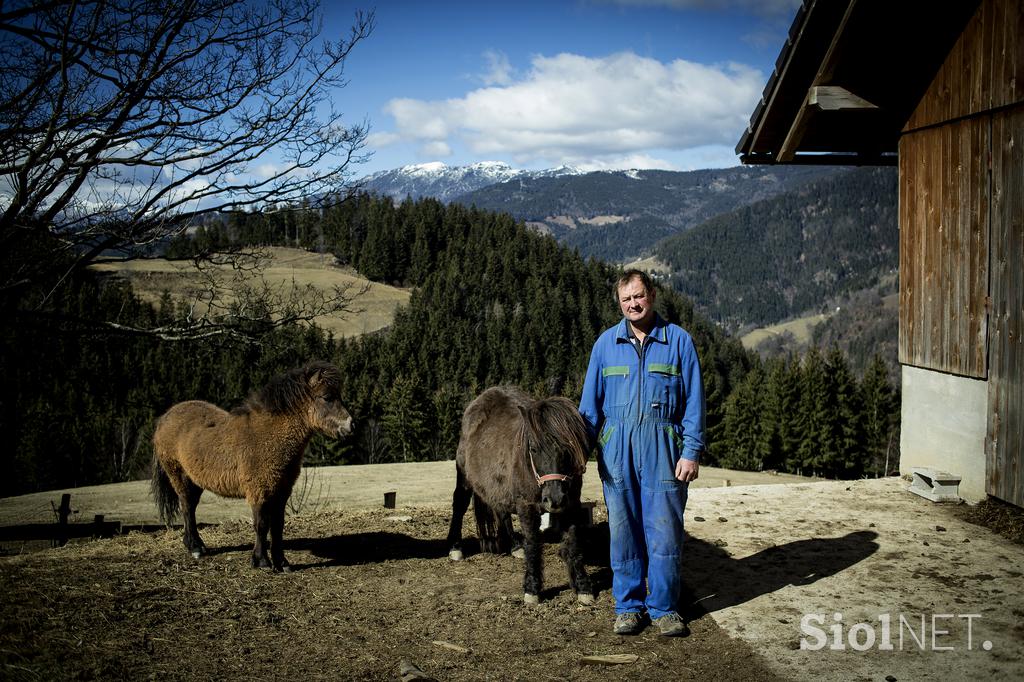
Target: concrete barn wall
[{"x": 944, "y": 422}]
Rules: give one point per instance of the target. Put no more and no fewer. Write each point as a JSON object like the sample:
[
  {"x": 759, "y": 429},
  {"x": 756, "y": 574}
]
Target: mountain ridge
[
  {"x": 614, "y": 215},
  {"x": 445, "y": 183},
  {"x": 792, "y": 254}
]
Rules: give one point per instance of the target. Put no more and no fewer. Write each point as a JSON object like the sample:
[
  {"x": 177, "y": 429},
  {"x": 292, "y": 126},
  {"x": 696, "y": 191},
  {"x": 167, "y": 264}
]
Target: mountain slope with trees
[
  {"x": 493, "y": 302},
  {"x": 791, "y": 254},
  {"x": 618, "y": 215}
]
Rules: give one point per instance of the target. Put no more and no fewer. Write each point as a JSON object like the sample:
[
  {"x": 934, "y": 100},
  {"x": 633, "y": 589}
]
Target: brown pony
[
  {"x": 254, "y": 452},
  {"x": 527, "y": 456}
]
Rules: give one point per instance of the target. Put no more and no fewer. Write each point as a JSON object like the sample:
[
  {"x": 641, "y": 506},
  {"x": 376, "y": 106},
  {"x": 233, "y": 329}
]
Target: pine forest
[{"x": 492, "y": 303}]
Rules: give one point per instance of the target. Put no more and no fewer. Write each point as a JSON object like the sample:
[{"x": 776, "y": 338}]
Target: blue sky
[{"x": 599, "y": 84}]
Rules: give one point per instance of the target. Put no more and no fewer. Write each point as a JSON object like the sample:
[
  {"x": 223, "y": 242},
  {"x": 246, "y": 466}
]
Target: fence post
[{"x": 63, "y": 512}]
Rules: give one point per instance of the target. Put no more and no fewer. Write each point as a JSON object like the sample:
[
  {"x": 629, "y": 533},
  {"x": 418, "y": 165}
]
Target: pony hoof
[
  {"x": 519, "y": 553},
  {"x": 585, "y": 599},
  {"x": 456, "y": 555},
  {"x": 531, "y": 598},
  {"x": 196, "y": 554}
]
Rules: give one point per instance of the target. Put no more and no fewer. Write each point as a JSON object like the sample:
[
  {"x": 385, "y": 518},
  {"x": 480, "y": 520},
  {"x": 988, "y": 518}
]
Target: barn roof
[{"x": 848, "y": 78}]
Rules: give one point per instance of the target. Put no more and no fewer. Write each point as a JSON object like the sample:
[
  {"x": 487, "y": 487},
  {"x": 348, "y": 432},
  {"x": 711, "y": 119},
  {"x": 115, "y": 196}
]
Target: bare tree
[
  {"x": 123, "y": 122},
  {"x": 125, "y": 453}
]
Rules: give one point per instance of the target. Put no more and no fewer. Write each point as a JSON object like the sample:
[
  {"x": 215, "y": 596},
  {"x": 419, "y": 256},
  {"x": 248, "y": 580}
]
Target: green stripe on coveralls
[
  {"x": 606, "y": 436},
  {"x": 617, "y": 371},
  {"x": 661, "y": 368},
  {"x": 675, "y": 436}
]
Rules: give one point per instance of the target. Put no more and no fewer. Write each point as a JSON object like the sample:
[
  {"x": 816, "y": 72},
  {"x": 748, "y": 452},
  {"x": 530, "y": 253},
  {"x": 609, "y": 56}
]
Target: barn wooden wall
[
  {"x": 943, "y": 217},
  {"x": 1005, "y": 437},
  {"x": 984, "y": 70}
]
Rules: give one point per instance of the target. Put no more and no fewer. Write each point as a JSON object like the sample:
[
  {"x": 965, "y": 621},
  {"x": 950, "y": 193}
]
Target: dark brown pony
[
  {"x": 527, "y": 456},
  {"x": 254, "y": 452}
]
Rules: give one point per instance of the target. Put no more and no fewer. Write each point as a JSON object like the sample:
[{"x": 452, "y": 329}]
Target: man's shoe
[
  {"x": 671, "y": 625},
  {"x": 628, "y": 623}
]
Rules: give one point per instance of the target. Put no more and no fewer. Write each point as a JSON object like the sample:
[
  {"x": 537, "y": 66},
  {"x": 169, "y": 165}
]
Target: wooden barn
[{"x": 937, "y": 89}]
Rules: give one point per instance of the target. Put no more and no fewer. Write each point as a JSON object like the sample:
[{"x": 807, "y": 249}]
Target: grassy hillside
[
  {"x": 286, "y": 268},
  {"x": 799, "y": 329}
]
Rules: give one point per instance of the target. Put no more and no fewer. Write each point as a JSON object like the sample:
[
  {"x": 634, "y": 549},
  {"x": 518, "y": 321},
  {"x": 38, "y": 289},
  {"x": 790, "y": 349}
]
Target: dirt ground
[
  {"x": 373, "y": 588},
  {"x": 370, "y": 590}
]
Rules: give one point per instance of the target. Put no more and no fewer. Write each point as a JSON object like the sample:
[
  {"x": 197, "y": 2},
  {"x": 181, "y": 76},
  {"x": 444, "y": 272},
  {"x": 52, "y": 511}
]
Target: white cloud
[
  {"x": 435, "y": 149},
  {"x": 499, "y": 71},
  {"x": 267, "y": 170},
  {"x": 579, "y": 110},
  {"x": 710, "y": 156},
  {"x": 382, "y": 139},
  {"x": 624, "y": 162}
]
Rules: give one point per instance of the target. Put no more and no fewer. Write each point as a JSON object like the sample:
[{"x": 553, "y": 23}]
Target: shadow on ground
[
  {"x": 368, "y": 548},
  {"x": 714, "y": 580}
]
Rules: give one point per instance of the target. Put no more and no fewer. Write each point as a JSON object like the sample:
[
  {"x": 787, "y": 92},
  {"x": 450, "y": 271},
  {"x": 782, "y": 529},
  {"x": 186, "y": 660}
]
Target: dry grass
[
  {"x": 998, "y": 516},
  {"x": 801, "y": 329},
  {"x": 650, "y": 265},
  {"x": 286, "y": 268}
]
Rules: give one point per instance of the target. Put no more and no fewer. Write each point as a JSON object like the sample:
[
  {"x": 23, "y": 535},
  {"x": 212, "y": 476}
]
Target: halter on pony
[
  {"x": 541, "y": 480},
  {"x": 523, "y": 443}
]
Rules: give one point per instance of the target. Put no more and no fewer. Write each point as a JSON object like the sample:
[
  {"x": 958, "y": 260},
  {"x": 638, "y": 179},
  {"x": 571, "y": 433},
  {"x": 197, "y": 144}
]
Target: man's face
[{"x": 636, "y": 303}]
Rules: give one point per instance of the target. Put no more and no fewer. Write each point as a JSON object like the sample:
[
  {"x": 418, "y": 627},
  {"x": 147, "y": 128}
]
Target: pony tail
[
  {"x": 494, "y": 537},
  {"x": 167, "y": 504}
]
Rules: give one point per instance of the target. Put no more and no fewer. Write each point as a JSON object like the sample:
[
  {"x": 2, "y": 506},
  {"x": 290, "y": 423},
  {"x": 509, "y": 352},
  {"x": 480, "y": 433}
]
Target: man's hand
[{"x": 687, "y": 470}]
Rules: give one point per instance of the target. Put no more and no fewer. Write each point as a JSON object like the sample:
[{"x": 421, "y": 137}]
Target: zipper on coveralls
[{"x": 640, "y": 382}]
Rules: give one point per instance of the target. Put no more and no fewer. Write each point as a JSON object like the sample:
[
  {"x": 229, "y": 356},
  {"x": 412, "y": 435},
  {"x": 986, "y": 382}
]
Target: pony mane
[
  {"x": 290, "y": 391},
  {"x": 559, "y": 417}
]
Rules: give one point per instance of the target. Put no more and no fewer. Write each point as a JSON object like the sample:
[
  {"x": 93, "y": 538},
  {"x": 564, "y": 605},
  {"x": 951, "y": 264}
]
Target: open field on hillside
[
  {"x": 802, "y": 327},
  {"x": 285, "y": 269},
  {"x": 650, "y": 265},
  {"x": 334, "y": 488}
]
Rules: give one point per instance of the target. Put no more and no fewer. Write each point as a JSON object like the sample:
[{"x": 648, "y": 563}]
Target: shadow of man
[{"x": 714, "y": 580}]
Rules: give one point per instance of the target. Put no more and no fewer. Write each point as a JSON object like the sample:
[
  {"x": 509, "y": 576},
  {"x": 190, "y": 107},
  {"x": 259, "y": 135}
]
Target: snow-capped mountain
[{"x": 444, "y": 182}]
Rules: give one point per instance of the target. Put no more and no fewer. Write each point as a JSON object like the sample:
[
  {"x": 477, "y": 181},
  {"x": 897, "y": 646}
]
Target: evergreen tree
[
  {"x": 741, "y": 426},
  {"x": 844, "y": 446},
  {"x": 405, "y": 420},
  {"x": 880, "y": 418},
  {"x": 811, "y": 456},
  {"x": 780, "y": 435}
]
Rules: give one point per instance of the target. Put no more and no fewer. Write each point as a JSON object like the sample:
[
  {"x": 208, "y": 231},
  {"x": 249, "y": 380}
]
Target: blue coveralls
[{"x": 647, "y": 404}]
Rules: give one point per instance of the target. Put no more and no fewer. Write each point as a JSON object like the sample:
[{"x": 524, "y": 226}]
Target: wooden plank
[
  {"x": 983, "y": 71},
  {"x": 944, "y": 248},
  {"x": 905, "y": 208},
  {"x": 1006, "y": 51},
  {"x": 56, "y": 531},
  {"x": 979, "y": 228},
  {"x": 1004, "y": 443},
  {"x": 836, "y": 98},
  {"x": 795, "y": 135}
]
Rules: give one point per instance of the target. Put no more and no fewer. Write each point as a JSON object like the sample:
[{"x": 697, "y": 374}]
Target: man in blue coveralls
[{"x": 643, "y": 395}]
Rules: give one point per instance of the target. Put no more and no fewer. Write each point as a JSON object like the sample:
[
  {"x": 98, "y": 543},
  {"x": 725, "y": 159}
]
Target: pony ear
[
  {"x": 522, "y": 413},
  {"x": 315, "y": 378}
]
